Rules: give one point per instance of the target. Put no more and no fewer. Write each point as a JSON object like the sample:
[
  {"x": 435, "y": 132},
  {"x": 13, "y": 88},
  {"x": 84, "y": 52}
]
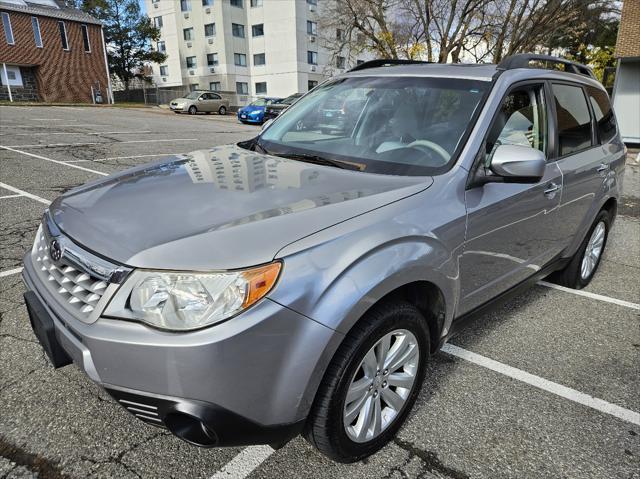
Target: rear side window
[
  {"x": 605, "y": 121},
  {"x": 573, "y": 119}
]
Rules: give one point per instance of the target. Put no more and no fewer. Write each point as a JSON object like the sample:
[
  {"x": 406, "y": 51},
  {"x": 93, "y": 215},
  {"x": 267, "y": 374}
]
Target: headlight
[
  {"x": 182, "y": 301},
  {"x": 255, "y": 112}
]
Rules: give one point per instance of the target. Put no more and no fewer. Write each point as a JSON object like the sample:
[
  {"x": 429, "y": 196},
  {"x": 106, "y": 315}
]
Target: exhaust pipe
[{"x": 191, "y": 429}]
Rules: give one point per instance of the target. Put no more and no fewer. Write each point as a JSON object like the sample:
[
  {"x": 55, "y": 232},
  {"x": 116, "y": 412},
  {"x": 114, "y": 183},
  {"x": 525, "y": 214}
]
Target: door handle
[
  {"x": 603, "y": 167},
  {"x": 550, "y": 192}
]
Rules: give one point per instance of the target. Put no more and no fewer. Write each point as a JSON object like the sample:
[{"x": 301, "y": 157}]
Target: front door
[{"x": 511, "y": 226}]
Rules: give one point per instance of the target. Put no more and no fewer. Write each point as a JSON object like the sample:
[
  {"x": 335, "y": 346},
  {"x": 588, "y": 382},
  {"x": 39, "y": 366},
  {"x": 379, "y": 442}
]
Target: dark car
[
  {"x": 254, "y": 111},
  {"x": 273, "y": 110}
]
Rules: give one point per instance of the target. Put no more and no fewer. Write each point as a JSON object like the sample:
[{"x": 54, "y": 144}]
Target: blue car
[{"x": 254, "y": 111}]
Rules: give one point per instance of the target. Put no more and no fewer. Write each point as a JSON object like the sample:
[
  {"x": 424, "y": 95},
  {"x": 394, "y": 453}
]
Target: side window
[
  {"x": 605, "y": 121},
  {"x": 214, "y": 96},
  {"x": 521, "y": 120},
  {"x": 573, "y": 119}
]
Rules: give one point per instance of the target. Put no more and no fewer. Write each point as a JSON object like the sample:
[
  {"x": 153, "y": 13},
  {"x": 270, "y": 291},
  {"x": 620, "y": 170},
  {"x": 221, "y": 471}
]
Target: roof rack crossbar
[
  {"x": 523, "y": 60},
  {"x": 384, "y": 63}
]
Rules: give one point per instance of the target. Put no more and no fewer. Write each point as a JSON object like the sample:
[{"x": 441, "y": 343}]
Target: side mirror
[
  {"x": 266, "y": 124},
  {"x": 201, "y": 98},
  {"x": 518, "y": 164}
]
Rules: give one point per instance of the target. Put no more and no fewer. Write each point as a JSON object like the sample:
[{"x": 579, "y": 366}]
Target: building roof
[
  {"x": 628, "y": 43},
  {"x": 48, "y": 8}
]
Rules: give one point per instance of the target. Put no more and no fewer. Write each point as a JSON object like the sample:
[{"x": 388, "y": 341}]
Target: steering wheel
[{"x": 430, "y": 146}]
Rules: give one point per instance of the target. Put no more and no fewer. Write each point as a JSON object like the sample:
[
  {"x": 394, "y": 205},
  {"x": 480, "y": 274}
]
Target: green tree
[{"x": 128, "y": 34}]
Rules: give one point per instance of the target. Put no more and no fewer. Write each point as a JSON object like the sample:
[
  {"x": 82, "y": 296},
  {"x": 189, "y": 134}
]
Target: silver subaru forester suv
[{"x": 298, "y": 282}]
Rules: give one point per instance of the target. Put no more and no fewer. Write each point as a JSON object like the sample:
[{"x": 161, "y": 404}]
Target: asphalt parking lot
[{"x": 546, "y": 386}]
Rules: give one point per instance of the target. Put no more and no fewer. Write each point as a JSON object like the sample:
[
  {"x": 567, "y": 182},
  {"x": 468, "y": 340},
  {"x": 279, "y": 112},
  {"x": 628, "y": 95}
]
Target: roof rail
[
  {"x": 385, "y": 63},
  {"x": 523, "y": 60}
]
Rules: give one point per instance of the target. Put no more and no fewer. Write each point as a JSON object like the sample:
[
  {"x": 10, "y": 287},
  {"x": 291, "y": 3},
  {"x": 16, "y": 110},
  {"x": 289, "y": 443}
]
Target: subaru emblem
[{"x": 55, "y": 250}]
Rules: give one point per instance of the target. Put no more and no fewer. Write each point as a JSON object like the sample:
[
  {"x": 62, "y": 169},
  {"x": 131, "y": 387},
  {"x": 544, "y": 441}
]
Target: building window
[
  {"x": 257, "y": 30},
  {"x": 215, "y": 86},
  {"x": 312, "y": 2},
  {"x": 312, "y": 58},
  {"x": 311, "y": 84},
  {"x": 157, "y": 22},
  {"x": 339, "y": 34},
  {"x": 236, "y": 3},
  {"x": 212, "y": 59},
  {"x": 13, "y": 78},
  {"x": 85, "y": 39},
  {"x": 36, "y": 31},
  {"x": 161, "y": 46},
  {"x": 237, "y": 30},
  {"x": 256, "y": 3},
  {"x": 187, "y": 33},
  {"x": 209, "y": 29},
  {"x": 207, "y": 3},
  {"x": 259, "y": 59},
  {"x": 8, "y": 32},
  {"x": 63, "y": 35},
  {"x": 191, "y": 62},
  {"x": 242, "y": 88},
  {"x": 185, "y": 5},
  {"x": 312, "y": 27},
  {"x": 340, "y": 62},
  {"x": 194, "y": 87},
  {"x": 240, "y": 59},
  {"x": 164, "y": 71},
  {"x": 261, "y": 88}
]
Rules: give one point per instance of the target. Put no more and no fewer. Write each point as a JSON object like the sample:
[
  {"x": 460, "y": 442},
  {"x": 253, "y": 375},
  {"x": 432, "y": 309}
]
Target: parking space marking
[
  {"x": 43, "y": 133},
  {"x": 244, "y": 463},
  {"x": 24, "y": 193},
  {"x": 9, "y": 196},
  {"x": 546, "y": 385},
  {"x": 586, "y": 294},
  {"x": 54, "y": 145},
  {"x": 54, "y": 161},
  {"x": 125, "y": 157},
  {"x": 10, "y": 272}
]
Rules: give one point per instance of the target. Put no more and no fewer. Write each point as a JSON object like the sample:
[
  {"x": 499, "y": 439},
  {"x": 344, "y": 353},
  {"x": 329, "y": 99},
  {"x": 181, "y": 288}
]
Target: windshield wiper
[{"x": 319, "y": 160}]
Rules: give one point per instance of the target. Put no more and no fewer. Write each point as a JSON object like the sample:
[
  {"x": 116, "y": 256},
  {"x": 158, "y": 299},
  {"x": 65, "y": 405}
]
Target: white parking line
[
  {"x": 9, "y": 196},
  {"x": 125, "y": 157},
  {"x": 244, "y": 463},
  {"x": 546, "y": 385},
  {"x": 54, "y": 161},
  {"x": 53, "y": 145},
  {"x": 586, "y": 294},
  {"x": 46, "y": 133},
  {"x": 10, "y": 272},
  {"x": 24, "y": 193}
]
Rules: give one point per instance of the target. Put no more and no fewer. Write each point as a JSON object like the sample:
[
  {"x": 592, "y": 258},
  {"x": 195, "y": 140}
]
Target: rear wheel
[
  {"x": 222, "y": 110},
  {"x": 371, "y": 383},
  {"x": 584, "y": 264},
  {"x": 193, "y": 110}
]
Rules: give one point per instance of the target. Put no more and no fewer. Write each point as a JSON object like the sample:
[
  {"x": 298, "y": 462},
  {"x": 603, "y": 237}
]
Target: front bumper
[
  {"x": 251, "y": 118},
  {"x": 176, "y": 107},
  {"x": 250, "y": 380}
]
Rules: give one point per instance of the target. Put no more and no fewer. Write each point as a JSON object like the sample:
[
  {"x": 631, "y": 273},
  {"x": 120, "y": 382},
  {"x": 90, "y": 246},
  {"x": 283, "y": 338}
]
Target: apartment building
[
  {"x": 250, "y": 47},
  {"x": 51, "y": 52}
]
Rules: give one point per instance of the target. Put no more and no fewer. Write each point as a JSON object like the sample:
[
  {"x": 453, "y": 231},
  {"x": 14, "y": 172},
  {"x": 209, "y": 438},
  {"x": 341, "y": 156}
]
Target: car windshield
[
  {"x": 393, "y": 125},
  {"x": 258, "y": 102},
  {"x": 194, "y": 95}
]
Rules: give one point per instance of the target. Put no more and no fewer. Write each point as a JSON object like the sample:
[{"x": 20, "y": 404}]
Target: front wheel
[
  {"x": 584, "y": 264},
  {"x": 193, "y": 110},
  {"x": 222, "y": 110},
  {"x": 371, "y": 383}
]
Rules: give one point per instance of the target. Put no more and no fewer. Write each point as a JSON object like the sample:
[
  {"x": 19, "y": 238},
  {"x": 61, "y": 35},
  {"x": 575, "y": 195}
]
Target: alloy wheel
[
  {"x": 593, "y": 251},
  {"x": 381, "y": 385}
]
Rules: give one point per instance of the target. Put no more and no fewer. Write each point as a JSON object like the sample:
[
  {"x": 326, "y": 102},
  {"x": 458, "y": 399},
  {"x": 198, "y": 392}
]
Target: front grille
[{"x": 77, "y": 290}]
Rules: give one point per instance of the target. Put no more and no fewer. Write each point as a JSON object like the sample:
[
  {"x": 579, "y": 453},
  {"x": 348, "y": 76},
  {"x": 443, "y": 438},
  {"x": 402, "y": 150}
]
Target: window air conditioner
[
  {"x": 210, "y": 41},
  {"x": 212, "y": 70},
  {"x": 155, "y": 5},
  {"x": 207, "y": 10},
  {"x": 189, "y": 44},
  {"x": 312, "y": 8},
  {"x": 312, "y": 39},
  {"x": 186, "y": 15},
  {"x": 313, "y": 68},
  {"x": 192, "y": 72},
  {"x": 164, "y": 78}
]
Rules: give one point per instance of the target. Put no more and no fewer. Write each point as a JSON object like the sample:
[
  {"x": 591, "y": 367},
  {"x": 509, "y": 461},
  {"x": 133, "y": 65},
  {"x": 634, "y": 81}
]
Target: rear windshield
[{"x": 397, "y": 125}]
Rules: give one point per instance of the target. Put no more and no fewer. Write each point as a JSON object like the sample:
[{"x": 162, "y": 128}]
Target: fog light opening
[{"x": 190, "y": 429}]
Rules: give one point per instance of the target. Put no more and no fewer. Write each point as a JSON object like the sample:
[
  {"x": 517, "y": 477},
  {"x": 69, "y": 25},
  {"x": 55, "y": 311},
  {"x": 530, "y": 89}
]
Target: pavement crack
[
  {"x": 42, "y": 467},
  {"x": 430, "y": 460}
]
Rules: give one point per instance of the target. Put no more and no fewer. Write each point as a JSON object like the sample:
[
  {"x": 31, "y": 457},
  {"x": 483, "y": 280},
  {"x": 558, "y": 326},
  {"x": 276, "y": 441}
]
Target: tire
[
  {"x": 193, "y": 110},
  {"x": 572, "y": 275},
  {"x": 325, "y": 427},
  {"x": 222, "y": 110}
]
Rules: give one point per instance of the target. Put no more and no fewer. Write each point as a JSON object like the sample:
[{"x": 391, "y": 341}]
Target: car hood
[
  {"x": 248, "y": 109},
  {"x": 221, "y": 208}
]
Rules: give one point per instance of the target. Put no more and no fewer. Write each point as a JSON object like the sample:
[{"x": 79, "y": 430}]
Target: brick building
[{"x": 50, "y": 52}]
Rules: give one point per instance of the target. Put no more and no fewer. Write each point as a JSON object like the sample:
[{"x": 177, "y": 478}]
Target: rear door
[
  {"x": 206, "y": 101},
  {"x": 582, "y": 153},
  {"x": 511, "y": 227},
  {"x": 216, "y": 101}
]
